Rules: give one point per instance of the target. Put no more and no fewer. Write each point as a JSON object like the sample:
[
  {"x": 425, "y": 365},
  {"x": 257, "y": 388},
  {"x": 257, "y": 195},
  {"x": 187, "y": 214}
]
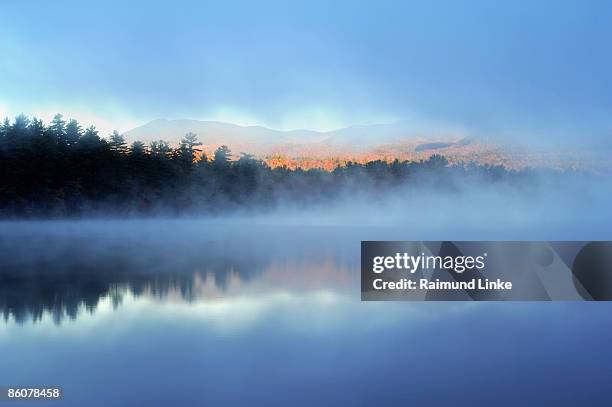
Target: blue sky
[{"x": 520, "y": 69}]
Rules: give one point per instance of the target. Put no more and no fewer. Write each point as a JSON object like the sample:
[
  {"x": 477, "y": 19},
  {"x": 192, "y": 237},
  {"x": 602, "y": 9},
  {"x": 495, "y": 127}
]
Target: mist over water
[
  {"x": 558, "y": 207},
  {"x": 61, "y": 266},
  {"x": 157, "y": 307}
]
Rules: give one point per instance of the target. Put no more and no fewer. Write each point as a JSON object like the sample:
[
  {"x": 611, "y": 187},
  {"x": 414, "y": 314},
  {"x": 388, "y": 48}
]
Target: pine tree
[
  {"x": 57, "y": 129},
  {"x": 36, "y": 128},
  {"x": 73, "y": 132},
  {"x": 137, "y": 149},
  {"x": 117, "y": 143},
  {"x": 160, "y": 149},
  {"x": 19, "y": 126},
  {"x": 5, "y": 127},
  {"x": 222, "y": 157}
]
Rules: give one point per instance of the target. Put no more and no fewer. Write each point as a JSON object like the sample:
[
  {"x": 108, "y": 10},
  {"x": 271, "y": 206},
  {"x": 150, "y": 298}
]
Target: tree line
[{"x": 61, "y": 169}]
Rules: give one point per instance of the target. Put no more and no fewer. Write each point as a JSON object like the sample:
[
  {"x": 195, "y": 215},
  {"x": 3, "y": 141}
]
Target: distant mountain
[
  {"x": 263, "y": 141},
  {"x": 328, "y": 149}
]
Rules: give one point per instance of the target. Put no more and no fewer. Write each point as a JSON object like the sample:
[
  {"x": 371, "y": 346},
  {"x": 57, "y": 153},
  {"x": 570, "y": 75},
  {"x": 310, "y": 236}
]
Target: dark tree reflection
[{"x": 67, "y": 272}]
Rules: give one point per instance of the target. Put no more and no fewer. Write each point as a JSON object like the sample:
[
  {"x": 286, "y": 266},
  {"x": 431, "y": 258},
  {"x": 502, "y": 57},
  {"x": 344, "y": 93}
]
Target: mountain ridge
[
  {"x": 358, "y": 143},
  {"x": 263, "y": 140}
]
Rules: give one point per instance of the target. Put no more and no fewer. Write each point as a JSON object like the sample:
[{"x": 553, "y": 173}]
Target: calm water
[{"x": 241, "y": 312}]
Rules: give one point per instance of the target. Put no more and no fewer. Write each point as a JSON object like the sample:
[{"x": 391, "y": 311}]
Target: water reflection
[
  {"x": 198, "y": 313},
  {"x": 63, "y": 270}
]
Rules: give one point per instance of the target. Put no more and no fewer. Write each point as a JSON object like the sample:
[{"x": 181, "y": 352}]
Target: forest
[{"x": 61, "y": 169}]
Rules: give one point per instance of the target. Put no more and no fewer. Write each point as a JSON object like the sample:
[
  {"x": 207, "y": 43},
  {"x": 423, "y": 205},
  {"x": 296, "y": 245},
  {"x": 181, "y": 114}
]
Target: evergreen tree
[
  {"x": 187, "y": 150},
  {"x": 91, "y": 140},
  {"x": 4, "y": 130},
  {"x": 116, "y": 143},
  {"x": 160, "y": 149},
  {"x": 57, "y": 129},
  {"x": 137, "y": 149},
  {"x": 73, "y": 132},
  {"x": 37, "y": 128},
  {"x": 5, "y": 127},
  {"x": 222, "y": 157},
  {"x": 20, "y": 126},
  {"x": 91, "y": 133}
]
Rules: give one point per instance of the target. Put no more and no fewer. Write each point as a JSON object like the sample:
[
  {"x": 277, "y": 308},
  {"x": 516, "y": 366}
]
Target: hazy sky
[{"x": 516, "y": 68}]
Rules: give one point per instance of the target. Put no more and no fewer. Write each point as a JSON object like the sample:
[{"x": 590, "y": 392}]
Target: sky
[{"x": 524, "y": 70}]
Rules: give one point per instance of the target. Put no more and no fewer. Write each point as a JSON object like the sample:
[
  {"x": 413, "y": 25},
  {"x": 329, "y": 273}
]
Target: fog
[
  {"x": 551, "y": 210},
  {"x": 60, "y": 266},
  {"x": 252, "y": 297},
  {"x": 549, "y": 206}
]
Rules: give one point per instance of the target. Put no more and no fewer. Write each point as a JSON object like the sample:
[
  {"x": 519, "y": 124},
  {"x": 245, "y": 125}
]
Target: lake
[{"x": 253, "y": 311}]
